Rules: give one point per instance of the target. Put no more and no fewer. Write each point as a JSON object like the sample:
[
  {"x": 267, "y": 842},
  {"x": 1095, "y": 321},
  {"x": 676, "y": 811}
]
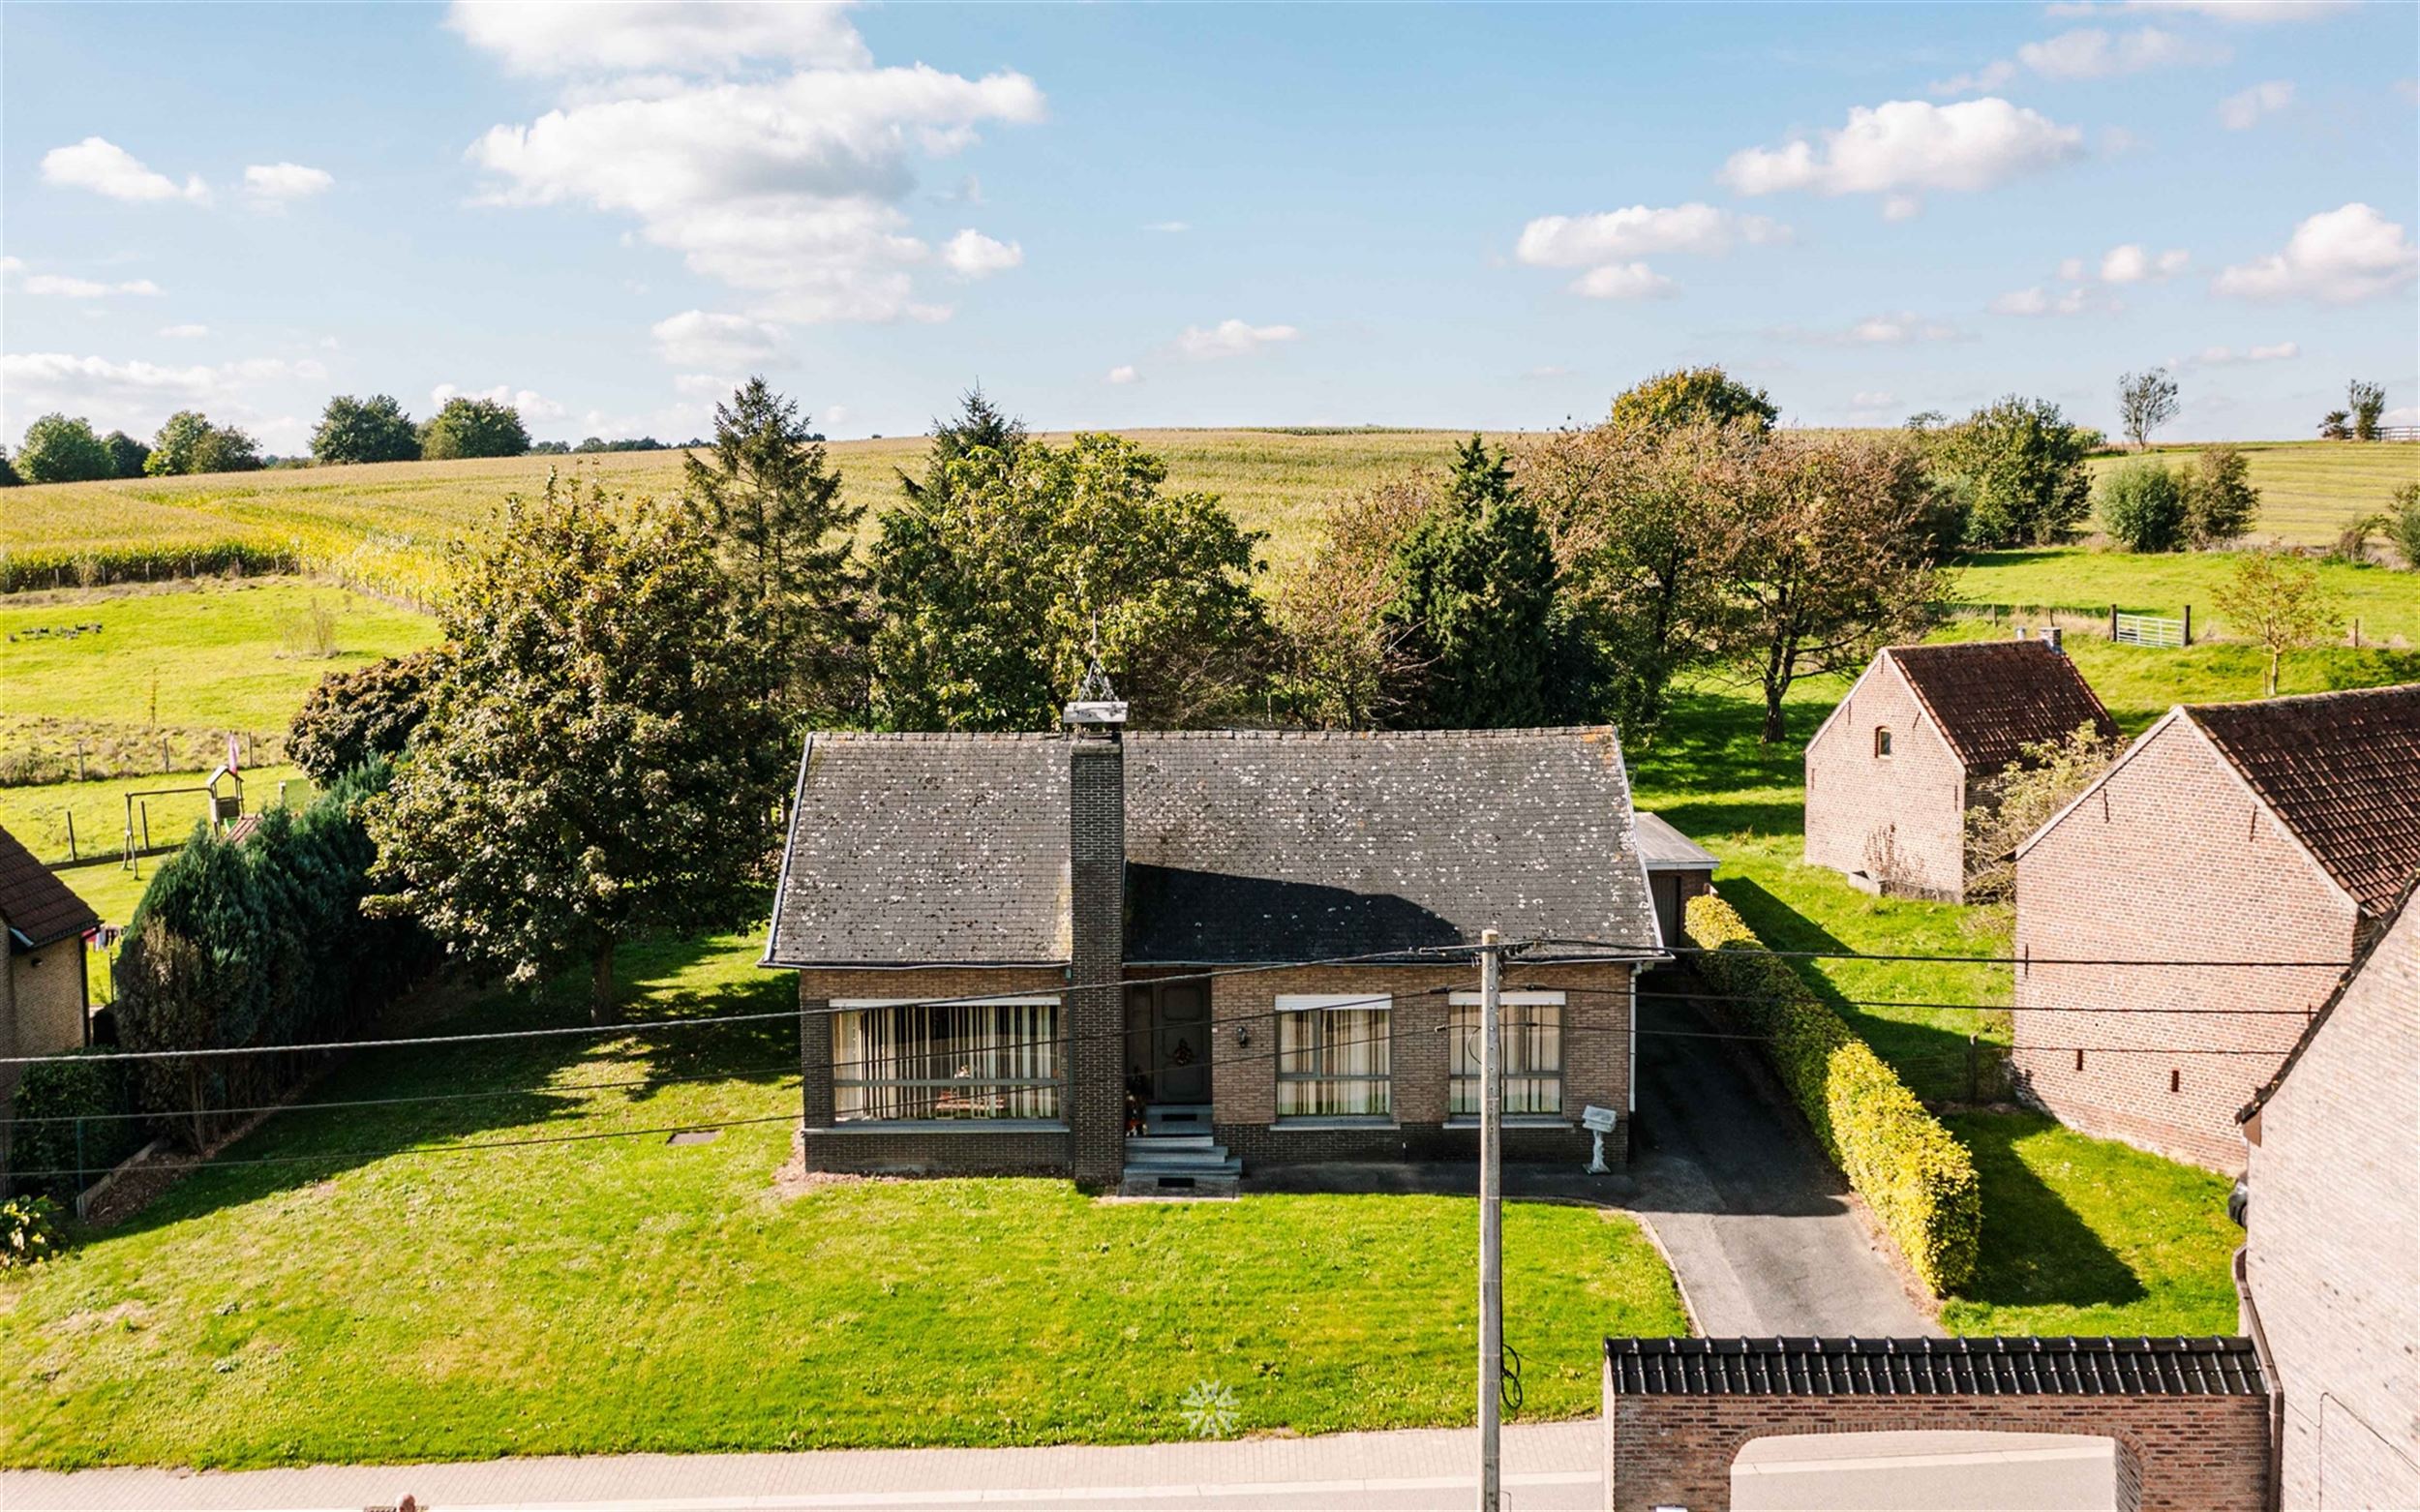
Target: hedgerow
[
  {"x": 95, "y": 1095},
  {"x": 1914, "y": 1173}
]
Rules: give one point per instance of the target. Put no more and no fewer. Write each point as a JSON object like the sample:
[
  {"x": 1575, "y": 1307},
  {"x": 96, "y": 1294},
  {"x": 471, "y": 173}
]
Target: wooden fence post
[
  {"x": 2113, "y": 621},
  {"x": 2189, "y": 625}
]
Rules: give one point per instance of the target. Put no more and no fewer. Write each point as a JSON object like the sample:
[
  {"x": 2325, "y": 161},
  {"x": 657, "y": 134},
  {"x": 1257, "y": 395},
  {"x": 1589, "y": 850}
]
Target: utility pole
[{"x": 1491, "y": 1219}]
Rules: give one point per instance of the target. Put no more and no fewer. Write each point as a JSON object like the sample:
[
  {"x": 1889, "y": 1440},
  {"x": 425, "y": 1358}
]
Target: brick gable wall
[
  {"x": 2333, "y": 1247},
  {"x": 2170, "y": 859},
  {"x": 1905, "y": 813}
]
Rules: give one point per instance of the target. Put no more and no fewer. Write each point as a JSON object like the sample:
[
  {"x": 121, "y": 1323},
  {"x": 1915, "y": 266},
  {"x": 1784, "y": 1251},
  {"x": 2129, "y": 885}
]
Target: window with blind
[
  {"x": 1533, "y": 1053},
  {"x": 946, "y": 1060},
  {"x": 1334, "y": 1055}
]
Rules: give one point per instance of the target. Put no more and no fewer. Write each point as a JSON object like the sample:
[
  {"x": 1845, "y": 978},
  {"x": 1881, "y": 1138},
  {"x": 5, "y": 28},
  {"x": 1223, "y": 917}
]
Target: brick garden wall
[
  {"x": 2171, "y": 859},
  {"x": 2333, "y": 1243},
  {"x": 2175, "y": 1453},
  {"x": 1910, "y": 805}
]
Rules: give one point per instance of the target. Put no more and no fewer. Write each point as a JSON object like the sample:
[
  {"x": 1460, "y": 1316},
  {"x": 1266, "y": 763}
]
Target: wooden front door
[{"x": 1168, "y": 1040}]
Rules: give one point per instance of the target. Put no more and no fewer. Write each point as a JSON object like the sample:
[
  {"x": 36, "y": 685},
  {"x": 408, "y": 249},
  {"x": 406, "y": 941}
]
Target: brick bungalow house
[
  {"x": 2330, "y": 1268},
  {"x": 2277, "y": 831},
  {"x": 1002, "y": 940},
  {"x": 1919, "y": 740},
  {"x": 41, "y": 994}
]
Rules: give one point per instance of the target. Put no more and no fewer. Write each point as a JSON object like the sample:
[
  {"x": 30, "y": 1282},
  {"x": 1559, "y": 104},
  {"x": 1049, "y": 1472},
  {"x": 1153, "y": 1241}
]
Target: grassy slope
[
  {"x": 2084, "y": 583},
  {"x": 366, "y": 1304},
  {"x": 38, "y": 817},
  {"x": 2309, "y": 489}
]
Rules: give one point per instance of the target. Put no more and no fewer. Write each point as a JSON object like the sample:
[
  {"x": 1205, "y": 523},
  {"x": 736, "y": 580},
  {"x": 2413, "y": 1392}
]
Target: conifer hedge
[{"x": 1915, "y": 1174}]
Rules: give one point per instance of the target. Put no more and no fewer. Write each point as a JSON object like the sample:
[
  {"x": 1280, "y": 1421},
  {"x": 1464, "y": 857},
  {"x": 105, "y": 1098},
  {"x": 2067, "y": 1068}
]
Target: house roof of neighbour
[
  {"x": 39, "y": 908},
  {"x": 2025, "y": 1366},
  {"x": 2341, "y": 770},
  {"x": 1666, "y": 849},
  {"x": 1993, "y": 698},
  {"x": 1241, "y": 846},
  {"x": 2391, "y": 927}
]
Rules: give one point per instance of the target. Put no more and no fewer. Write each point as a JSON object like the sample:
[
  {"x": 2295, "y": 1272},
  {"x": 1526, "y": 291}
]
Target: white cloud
[
  {"x": 703, "y": 385},
  {"x": 2239, "y": 113},
  {"x": 59, "y": 285},
  {"x": 274, "y": 184},
  {"x": 1903, "y": 147},
  {"x": 1571, "y": 241},
  {"x": 726, "y": 343},
  {"x": 1624, "y": 281},
  {"x": 2135, "y": 263},
  {"x": 1125, "y": 373},
  {"x": 10, "y": 265},
  {"x": 1872, "y": 399},
  {"x": 1169, "y": 228},
  {"x": 551, "y": 38},
  {"x": 2231, "y": 356},
  {"x": 532, "y": 405},
  {"x": 1875, "y": 330},
  {"x": 2089, "y": 53},
  {"x": 135, "y": 396},
  {"x": 2041, "y": 301},
  {"x": 184, "y": 332},
  {"x": 758, "y": 143},
  {"x": 970, "y": 254},
  {"x": 107, "y": 168},
  {"x": 1231, "y": 339},
  {"x": 2337, "y": 257}
]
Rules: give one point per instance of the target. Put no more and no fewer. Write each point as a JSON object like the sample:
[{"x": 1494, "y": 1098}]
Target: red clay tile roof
[
  {"x": 2341, "y": 770},
  {"x": 1994, "y": 698},
  {"x": 38, "y": 906}
]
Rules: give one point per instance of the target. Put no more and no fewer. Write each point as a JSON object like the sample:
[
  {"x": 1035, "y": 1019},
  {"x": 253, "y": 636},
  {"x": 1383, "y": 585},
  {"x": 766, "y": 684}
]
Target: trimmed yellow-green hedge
[{"x": 1913, "y": 1173}]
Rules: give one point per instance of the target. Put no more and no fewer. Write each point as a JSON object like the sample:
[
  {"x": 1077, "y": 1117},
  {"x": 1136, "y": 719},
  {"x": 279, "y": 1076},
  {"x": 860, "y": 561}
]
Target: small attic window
[{"x": 1882, "y": 740}]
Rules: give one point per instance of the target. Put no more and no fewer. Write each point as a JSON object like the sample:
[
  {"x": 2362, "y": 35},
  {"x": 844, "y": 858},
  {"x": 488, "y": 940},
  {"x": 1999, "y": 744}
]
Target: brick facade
[
  {"x": 2170, "y": 858},
  {"x": 1898, "y": 821},
  {"x": 2332, "y": 1256},
  {"x": 1596, "y": 1070},
  {"x": 2185, "y": 1453}
]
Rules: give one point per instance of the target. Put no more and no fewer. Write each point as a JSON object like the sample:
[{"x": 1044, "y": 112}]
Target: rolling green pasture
[
  {"x": 352, "y": 1298},
  {"x": 385, "y": 525},
  {"x": 2309, "y": 489},
  {"x": 2081, "y": 583}
]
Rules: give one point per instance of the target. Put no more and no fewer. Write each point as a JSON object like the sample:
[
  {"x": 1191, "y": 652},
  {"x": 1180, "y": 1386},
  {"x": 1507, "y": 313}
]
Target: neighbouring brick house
[
  {"x": 41, "y": 994},
  {"x": 2330, "y": 1268},
  {"x": 1920, "y": 739},
  {"x": 2270, "y": 832},
  {"x": 999, "y": 938}
]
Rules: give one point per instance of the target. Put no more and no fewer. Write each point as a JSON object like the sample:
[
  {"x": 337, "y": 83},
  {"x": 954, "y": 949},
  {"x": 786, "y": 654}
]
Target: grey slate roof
[
  {"x": 2023, "y": 1366},
  {"x": 1666, "y": 849},
  {"x": 1241, "y": 846}
]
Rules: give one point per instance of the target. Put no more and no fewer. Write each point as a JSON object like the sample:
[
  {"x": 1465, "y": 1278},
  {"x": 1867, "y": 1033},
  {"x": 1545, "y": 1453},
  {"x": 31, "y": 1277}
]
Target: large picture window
[
  {"x": 1334, "y": 1055},
  {"x": 1533, "y": 1053},
  {"x": 998, "y": 1059}
]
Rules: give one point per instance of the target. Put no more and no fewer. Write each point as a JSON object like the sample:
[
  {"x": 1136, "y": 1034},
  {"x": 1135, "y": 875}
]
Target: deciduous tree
[
  {"x": 1344, "y": 663},
  {"x": 1825, "y": 559},
  {"x": 1688, "y": 395},
  {"x": 354, "y": 430},
  {"x": 600, "y": 756},
  {"x": 353, "y": 715},
  {"x": 786, "y": 533},
  {"x": 2277, "y": 599},
  {"x": 2021, "y": 467},
  {"x": 127, "y": 455},
  {"x": 474, "y": 428},
  {"x": 2023, "y": 797},
  {"x": 2143, "y": 507},
  {"x": 2403, "y": 524},
  {"x": 2221, "y": 503},
  {"x": 990, "y": 579},
  {"x": 177, "y": 448},
  {"x": 58, "y": 449},
  {"x": 2367, "y": 404},
  {"x": 2146, "y": 402}
]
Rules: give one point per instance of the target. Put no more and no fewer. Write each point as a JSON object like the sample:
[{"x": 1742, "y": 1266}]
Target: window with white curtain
[
  {"x": 1334, "y": 1055},
  {"x": 996, "y": 1059},
  {"x": 1533, "y": 1053}
]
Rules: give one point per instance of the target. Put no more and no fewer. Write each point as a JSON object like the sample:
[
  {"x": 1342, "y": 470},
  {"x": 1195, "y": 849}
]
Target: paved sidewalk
[{"x": 1548, "y": 1467}]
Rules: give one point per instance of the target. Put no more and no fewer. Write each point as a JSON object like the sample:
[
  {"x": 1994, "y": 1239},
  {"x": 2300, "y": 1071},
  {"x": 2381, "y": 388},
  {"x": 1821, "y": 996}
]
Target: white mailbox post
[{"x": 1598, "y": 1122}]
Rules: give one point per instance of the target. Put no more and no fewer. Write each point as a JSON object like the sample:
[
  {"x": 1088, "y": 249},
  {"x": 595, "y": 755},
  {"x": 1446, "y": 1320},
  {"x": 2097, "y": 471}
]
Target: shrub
[
  {"x": 353, "y": 716},
  {"x": 2221, "y": 504},
  {"x": 2142, "y": 508},
  {"x": 77, "y": 1085},
  {"x": 2022, "y": 798},
  {"x": 2403, "y": 524},
  {"x": 29, "y": 1232},
  {"x": 1917, "y": 1178},
  {"x": 2352, "y": 539}
]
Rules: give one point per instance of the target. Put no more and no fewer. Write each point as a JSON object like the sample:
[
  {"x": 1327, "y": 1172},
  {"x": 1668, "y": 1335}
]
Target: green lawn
[
  {"x": 2309, "y": 489},
  {"x": 363, "y": 1303},
  {"x": 37, "y": 816},
  {"x": 2083, "y": 583}
]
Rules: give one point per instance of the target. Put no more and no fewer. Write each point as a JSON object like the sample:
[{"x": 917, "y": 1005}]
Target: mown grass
[
  {"x": 37, "y": 816},
  {"x": 357, "y": 1301},
  {"x": 2083, "y": 583},
  {"x": 2309, "y": 489}
]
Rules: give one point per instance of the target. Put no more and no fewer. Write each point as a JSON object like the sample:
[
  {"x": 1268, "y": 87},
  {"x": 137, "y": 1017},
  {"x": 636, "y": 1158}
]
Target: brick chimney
[{"x": 1096, "y": 1005}]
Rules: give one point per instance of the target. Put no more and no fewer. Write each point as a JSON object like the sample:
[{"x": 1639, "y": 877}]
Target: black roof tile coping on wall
[{"x": 2025, "y": 1365}]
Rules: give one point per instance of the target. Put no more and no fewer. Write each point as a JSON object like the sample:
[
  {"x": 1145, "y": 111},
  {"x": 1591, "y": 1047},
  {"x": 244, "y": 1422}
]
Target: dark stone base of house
[{"x": 973, "y": 1150}]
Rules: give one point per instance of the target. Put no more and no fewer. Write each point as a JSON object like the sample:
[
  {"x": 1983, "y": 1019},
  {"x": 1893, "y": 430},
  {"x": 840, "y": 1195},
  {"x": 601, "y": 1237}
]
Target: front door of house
[{"x": 1167, "y": 1042}]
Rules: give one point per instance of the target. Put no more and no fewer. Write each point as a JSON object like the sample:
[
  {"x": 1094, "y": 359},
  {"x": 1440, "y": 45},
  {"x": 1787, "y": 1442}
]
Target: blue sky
[{"x": 1203, "y": 214}]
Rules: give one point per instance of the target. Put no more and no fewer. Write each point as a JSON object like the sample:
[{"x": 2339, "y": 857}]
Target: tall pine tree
[{"x": 785, "y": 534}]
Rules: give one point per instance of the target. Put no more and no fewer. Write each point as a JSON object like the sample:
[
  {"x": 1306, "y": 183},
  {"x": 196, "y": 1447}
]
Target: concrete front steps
[{"x": 1166, "y": 1161}]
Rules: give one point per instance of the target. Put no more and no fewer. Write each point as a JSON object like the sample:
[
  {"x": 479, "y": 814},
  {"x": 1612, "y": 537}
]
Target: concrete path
[
  {"x": 1548, "y": 1467},
  {"x": 1756, "y": 1221}
]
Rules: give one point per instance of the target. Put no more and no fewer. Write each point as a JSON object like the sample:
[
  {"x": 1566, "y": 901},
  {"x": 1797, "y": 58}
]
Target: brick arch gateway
[{"x": 2190, "y": 1418}]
